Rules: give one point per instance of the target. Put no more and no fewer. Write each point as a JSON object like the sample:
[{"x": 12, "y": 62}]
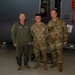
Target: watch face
[{"x": 42, "y": 10}]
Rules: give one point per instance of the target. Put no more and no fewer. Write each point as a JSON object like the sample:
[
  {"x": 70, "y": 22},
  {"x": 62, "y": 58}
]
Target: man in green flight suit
[{"x": 21, "y": 39}]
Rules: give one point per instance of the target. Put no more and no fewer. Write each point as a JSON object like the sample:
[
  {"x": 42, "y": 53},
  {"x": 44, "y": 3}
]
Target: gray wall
[
  {"x": 12, "y": 8},
  {"x": 66, "y": 11},
  {"x": 66, "y": 14},
  {"x": 9, "y": 12}
]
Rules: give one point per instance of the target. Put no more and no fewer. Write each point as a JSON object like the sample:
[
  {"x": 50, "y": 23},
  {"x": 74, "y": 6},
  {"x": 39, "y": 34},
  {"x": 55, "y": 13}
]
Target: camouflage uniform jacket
[
  {"x": 39, "y": 32},
  {"x": 58, "y": 30}
]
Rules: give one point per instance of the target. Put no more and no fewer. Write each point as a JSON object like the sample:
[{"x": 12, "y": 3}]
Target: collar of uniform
[
  {"x": 39, "y": 24},
  {"x": 21, "y": 24},
  {"x": 56, "y": 20}
]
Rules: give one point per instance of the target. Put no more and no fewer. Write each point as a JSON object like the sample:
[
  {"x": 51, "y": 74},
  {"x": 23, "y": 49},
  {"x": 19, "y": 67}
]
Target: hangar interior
[{"x": 9, "y": 11}]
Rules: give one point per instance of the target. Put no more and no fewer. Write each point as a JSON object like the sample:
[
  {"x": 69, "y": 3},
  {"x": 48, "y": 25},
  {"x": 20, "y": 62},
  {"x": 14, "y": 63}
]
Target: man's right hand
[{"x": 15, "y": 45}]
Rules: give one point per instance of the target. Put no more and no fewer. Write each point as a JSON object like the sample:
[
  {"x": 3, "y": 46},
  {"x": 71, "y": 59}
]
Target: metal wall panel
[
  {"x": 66, "y": 14},
  {"x": 9, "y": 12}
]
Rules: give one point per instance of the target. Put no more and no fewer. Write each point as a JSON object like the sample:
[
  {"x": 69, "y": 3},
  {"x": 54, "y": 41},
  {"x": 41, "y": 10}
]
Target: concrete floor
[{"x": 8, "y": 64}]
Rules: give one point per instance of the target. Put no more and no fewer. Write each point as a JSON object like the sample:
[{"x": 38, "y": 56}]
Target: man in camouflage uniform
[
  {"x": 21, "y": 40},
  {"x": 39, "y": 33},
  {"x": 57, "y": 39}
]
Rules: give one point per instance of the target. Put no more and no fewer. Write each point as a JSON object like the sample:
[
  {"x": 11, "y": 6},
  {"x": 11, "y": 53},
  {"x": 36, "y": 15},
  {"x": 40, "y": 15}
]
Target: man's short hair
[
  {"x": 55, "y": 9},
  {"x": 37, "y": 14},
  {"x": 22, "y": 13}
]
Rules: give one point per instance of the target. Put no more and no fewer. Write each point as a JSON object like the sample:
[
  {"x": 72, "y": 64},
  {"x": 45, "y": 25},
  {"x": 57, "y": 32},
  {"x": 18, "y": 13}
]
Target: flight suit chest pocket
[
  {"x": 20, "y": 28},
  {"x": 26, "y": 28}
]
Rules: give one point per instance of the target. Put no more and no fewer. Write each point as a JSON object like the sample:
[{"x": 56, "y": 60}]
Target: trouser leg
[
  {"x": 59, "y": 49},
  {"x": 43, "y": 52},
  {"x": 26, "y": 54},
  {"x": 37, "y": 55},
  {"x": 53, "y": 51},
  {"x": 37, "y": 52},
  {"x": 44, "y": 55},
  {"x": 19, "y": 55}
]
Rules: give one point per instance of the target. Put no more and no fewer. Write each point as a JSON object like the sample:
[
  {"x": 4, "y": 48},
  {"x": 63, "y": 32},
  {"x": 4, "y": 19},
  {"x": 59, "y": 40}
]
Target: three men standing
[{"x": 55, "y": 33}]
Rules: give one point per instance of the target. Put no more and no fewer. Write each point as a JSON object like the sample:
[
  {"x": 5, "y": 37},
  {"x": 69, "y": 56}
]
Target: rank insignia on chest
[
  {"x": 43, "y": 29},
  {"x": 26, "y": 26},
  {"x": 20, "y": 26},
  {"x": 56, "y": 25}
]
